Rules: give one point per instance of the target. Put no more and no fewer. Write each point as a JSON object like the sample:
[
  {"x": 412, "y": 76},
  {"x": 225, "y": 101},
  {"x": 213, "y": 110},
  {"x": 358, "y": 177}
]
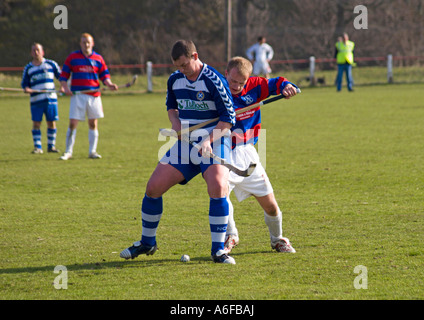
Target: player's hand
[
  {"x": 289, "y": 91},
  {"x": 206, "y": 148},
  {"x": 113, "y": 87},
  {"x": 66, "y": 91},
  {"x": 28, "y": 90}
]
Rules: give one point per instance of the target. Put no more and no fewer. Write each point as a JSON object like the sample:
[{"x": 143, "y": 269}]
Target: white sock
[
  {"x": 275, "y": 225},
  {"x": 70, "y": 140},
  {"x": 231, "y": 227},
  {"x": 93, "y": 138}
]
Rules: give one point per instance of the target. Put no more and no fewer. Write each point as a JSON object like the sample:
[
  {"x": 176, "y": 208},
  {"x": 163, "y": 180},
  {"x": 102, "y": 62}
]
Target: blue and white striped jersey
[
  {"x": 41, "y": 78},
  {"x": 197, "y": 101}
]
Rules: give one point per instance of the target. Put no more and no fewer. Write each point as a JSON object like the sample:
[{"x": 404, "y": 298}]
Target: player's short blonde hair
[
  {"x": 86, "y": 35},
  {"x": 243, "y": 66}
]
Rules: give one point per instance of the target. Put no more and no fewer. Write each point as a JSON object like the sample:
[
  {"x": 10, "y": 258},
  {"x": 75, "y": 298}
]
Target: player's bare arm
[
  {"x": 111, "y": 85},
  {"x": 173, "y": 116}
]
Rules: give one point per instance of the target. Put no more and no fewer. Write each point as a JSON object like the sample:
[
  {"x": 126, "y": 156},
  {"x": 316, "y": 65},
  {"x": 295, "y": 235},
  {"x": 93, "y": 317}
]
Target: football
[{"x": 185, "y": 258}]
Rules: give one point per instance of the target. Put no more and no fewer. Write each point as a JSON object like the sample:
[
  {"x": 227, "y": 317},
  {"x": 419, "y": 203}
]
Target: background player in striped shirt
[
  {"x": 38, "y": 75},
  {"x": 87, "y": 68},
  {"x": 247, "y": 90},
  {"x": 196, "y": 93}
]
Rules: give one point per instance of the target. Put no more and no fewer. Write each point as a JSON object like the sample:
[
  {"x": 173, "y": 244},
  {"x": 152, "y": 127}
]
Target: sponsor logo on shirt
[
  {"x": 247, "y": 114},
  {"x": 192, "y": 105},
  {"x": 88, "y": 69}
]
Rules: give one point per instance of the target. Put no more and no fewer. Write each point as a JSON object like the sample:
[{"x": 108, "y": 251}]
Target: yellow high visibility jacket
[{"x": 345, "y": 52}]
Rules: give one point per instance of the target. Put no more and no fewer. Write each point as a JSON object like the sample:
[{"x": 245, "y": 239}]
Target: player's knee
[
  {"x": 36, "y": 125},
  {"x": 217, "y": 189},
  {"x": 153, "y": 189},
  {"x": 271, "y": 209},
  {"x": 73, "y": 124}
]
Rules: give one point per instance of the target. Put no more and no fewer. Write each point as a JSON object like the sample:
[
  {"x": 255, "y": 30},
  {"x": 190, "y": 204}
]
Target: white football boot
[
  {"x": 94, "y": 155},
  {"x": 231, "y": 241},
  {"x": 66, "y": 156},
  {"x": 283, "y": 245}
]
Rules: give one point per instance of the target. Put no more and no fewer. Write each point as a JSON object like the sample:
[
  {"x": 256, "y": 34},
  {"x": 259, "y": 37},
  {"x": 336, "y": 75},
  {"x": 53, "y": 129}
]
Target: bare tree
[{"x": 134, "y": 31}]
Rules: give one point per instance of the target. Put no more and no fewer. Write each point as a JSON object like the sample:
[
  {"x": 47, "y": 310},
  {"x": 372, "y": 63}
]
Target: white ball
[{"x": 185, "y": 258}]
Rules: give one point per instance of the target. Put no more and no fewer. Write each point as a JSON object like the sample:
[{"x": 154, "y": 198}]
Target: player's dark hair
[{"x": 184, "y": 48}]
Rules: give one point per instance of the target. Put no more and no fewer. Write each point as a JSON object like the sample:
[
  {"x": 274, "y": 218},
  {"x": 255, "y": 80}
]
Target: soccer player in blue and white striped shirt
[
  {"x": 196, "y": 93},
  {"x": 38, "y": 76}
]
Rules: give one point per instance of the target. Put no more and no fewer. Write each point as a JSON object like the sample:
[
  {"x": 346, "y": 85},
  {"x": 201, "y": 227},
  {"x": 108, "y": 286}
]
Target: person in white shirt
[{"x": 261, "y": 53}]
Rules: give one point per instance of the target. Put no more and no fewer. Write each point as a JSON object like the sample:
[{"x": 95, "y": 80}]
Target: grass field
[{"x": 347, "y": 171}]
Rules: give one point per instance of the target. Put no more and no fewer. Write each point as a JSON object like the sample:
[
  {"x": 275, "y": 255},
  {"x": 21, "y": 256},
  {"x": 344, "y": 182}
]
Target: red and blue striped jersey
[
  {"x": 248, "y": 124},
  {"x": 86, "y": 71}
]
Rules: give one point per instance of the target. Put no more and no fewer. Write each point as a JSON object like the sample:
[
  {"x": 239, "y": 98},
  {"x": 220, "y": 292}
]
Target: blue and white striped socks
[
  {"x": 51, "y": 138},
  {"x": 36, "y": 137},
  {"x": 218, "y": 220},
  {"x": 151, "y": 213}
]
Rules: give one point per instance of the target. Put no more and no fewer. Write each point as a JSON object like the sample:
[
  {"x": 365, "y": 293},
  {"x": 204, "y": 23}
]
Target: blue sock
[
  {"x": 151, "y": 213},
  {"x": 51, "y": 138},
  {"x": 36, "y": 137},
  {"x": 218, "y": 220}
]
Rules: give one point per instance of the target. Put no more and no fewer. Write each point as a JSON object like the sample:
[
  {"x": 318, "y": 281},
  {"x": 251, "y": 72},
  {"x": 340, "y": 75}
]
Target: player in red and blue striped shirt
[
  {"x": 247, "y": 90},
  {"x": 87, "y": 68}
]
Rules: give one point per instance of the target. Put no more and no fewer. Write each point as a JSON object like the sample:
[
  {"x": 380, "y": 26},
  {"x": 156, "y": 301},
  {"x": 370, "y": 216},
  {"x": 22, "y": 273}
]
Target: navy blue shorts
[
  {"x": 186, "y": 158},
  {"x": 49, "y": 109}
]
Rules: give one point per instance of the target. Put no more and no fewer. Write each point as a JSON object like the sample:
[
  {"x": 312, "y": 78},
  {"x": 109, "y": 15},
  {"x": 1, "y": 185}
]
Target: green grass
[{"x": 346, "y": 170}]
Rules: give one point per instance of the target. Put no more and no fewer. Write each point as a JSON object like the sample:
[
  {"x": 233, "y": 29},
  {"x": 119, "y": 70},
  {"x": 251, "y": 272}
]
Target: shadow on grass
[
  {"x": 93, "y": 266},
  {"x": 143, "y": 262}
]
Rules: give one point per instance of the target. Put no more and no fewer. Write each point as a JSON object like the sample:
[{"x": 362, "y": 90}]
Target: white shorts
[
  {"x": 257, "y": 184},
  {"x": 82, "y": 104},
  {"x": 261, "y": 67}
]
